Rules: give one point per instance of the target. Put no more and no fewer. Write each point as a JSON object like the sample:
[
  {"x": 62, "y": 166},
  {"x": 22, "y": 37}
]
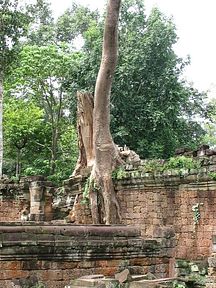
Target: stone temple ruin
[{"x": 167, "y": 236}]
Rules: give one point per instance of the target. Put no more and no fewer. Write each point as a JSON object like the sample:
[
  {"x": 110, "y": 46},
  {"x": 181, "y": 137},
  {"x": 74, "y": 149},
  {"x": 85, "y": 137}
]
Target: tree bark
[
  {"x": 1, "y": 123},
  {"x": 18, "y": 168},
  {"x": 53, "y": 109},
  {"x": 85, "y": 133},
  {"x": 54, "y": 150},
  {"x": 104, "y": 148},
  {"x": 97, "y": 151}
]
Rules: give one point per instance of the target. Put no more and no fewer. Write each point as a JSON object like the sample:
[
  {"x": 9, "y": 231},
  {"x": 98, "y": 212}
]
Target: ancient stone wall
[
  {"x": 176, "y": 205},
  {"x": 14, "y": 196},
  {"x": 35, "y": 252},
  {"x": 211, "y": 279},
  {"x": 160, "y": 206},
  {"x": 32, "y": 194},
  {"x": 10, "y": 210}
]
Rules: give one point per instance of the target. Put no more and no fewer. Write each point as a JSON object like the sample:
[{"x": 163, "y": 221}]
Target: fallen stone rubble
[{"x": 125, "y": 280}]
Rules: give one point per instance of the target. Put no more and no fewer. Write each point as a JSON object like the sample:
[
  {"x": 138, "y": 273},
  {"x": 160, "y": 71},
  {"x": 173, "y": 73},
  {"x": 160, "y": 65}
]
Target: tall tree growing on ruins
[
  {"x": 149, "y": 92},
  {"x": 104, "y": 151},
  {"x": 13, "y": 24}
]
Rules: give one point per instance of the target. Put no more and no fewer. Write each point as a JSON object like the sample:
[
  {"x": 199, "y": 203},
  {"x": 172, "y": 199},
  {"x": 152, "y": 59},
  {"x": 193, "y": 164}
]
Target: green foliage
[
  {"x": 42, "y": 29},
  {"x": 22, "y": 122},
  {"x": 14, "y": 22},
  {"x": 182, "y": 162},
  {"x": 152, "y": 108},
  {"x": 196, "y": 212},
  {"x": 209, "y": 126},
  {"x": 23, "y": 127},
  {"x": 90, "y": 185},
  {"x": 179, "y": 163},
  {"x": 13, "y": 26},
  {"x": 87, "y": 186},
  {"x": 39, "y": 65},
  {"x": 42, "y": 76},
  {"x": 148, "y": 78},
  {"x": 26, "y": 130},
  {"x": 212, "y": 175},
  {"x": 176, "y": 284},
  {"x": 14, "y": 179},
  {"x": 119, "y": 173},
  {"x": 39, "y": 166},
  {"x": 153, "y": 165},
  {"x": 74, "y": 22},
  {"x": 67, "y": 153},
  {"x": 199, "y": 280}
]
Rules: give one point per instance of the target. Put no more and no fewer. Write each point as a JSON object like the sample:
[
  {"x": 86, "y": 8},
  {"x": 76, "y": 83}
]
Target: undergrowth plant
[
  {"x": 212, "y": 175},
  {"x": 85, "y": 193},
  {"x": 178, "y": 163},
  {"x": 196, "y": 212},
  {"x": 153, "y": 165},
  {"x": 174, "y": 163},
  {"x": 119, "y": 173},
  {"x": 39, "y": 285},
  {"x": 90, "y": 184},
  {"x": 182, "y": 162},
  {"x": 178, "y": 285}
]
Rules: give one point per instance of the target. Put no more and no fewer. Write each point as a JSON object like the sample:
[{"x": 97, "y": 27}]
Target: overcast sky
[{"x": 196, "y": 23}]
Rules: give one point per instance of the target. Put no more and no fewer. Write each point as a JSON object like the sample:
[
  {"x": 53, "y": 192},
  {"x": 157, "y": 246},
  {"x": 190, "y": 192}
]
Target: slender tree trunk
[
  {"x": 18, "y": 168},
  {"x": 54, "y": 144},
  {"x": 104, "y": 148},
  {"x": 55, "y": 127},
  {"x": 1, "y": 123}
]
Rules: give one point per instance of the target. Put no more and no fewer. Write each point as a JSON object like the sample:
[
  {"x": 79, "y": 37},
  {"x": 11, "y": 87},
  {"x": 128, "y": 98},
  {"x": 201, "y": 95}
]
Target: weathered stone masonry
[
  {"x": 54, "y": 255},
  {"x": 33, "y": 192},
  {"x": 161, "y": 205}
]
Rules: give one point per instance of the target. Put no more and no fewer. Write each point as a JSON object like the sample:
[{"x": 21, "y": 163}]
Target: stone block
[
  {"x": 82, "y": 282},
  {"x": 46, "y": 275},
  {"x": 123, "y": 276},
  {"x": 212, "y": 261},
  {"x": 13, "y": 274},
  {"x": 210, "y": 285},
  {"x": 212, "y": 271},
  {"x": 86, "y": 264},
  {"x": 211, "y": 279},
  {"x": 143, "y": 284}
]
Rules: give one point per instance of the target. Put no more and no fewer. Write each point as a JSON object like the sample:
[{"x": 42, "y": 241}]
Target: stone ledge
[
  {"x": 75, "y": 243},
  {"x": 70, "y": 229}
]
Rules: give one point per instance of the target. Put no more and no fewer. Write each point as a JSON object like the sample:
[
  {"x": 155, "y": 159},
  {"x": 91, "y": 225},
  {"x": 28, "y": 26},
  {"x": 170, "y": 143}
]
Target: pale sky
[{"x": 196, "y": 23}]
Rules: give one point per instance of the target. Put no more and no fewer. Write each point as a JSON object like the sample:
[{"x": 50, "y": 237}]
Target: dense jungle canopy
[{"x": 45, "y": 61}]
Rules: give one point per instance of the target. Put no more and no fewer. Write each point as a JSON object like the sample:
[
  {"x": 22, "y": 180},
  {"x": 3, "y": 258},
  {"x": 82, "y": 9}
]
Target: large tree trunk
[
  {"x": 97, "y": 151},
  {"x": 86, "y": 160},
  {"x": 1, "y": 123},
  {"x": 104, "y": 148}
]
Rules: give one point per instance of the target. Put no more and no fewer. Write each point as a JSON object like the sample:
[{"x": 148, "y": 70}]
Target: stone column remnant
[{"x": 37, "y": 200}]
